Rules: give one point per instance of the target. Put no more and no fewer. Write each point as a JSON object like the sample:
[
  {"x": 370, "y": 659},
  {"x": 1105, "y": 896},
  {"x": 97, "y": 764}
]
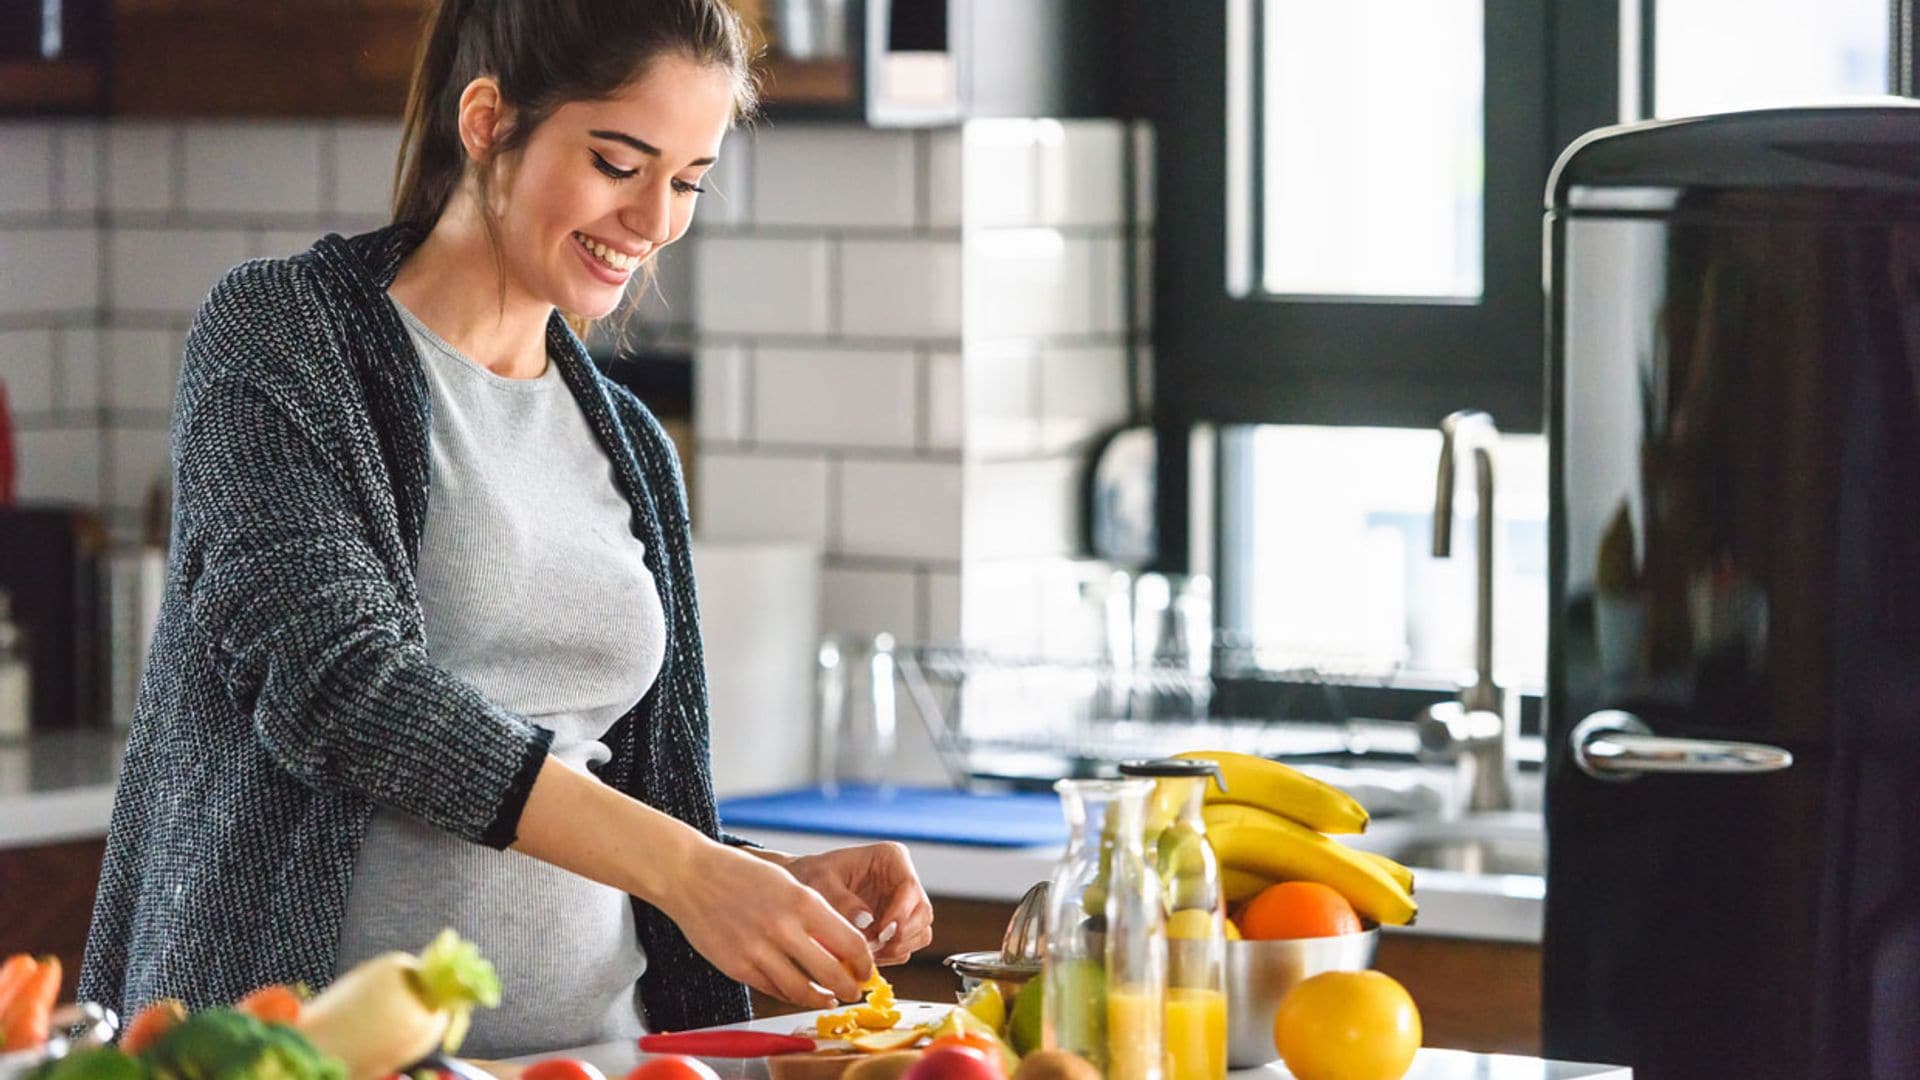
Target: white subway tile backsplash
[
  {"x": 59, "y": 465},
  {"x": 49, "y": 270},
  {"x": 79, "y": 187},
  {"x": 757, "y": 285},
  {"x": 1022, "y": 508},
  {"x": 1038, "y": 282},
  {"x": 1083, "y": 179},
  {"x": 26, "y": 167},
  {"x": 903, "y": 509},
  {"x": 1002, "y": 398},
  {"x": 281, "y": 243},
  {"x": 943, "y": 607},
  {"x": 253, "y": 168},
  {"x": 729, "y": 184},
  {"x": 1000, "y": 170},
  {"x": 946, "y": 178},
  {"x": 900, "y": 288},
  {"x": 746, "y": 496},
  {"x": 722, "y": 378},
  {"x": 1083, "y": 392},
  {"x": 946, "y": 398},
  {"x": 1000, "y": 607},
  {"x": 79, "y": 375},
  {"x": 865, "y": 602},
  {"x": 834, "y": 397},
  {"x": 170, "y": 269},
  {"x": 137, "y": 458},
  {"x": 814, "y": 175},
  {"x": 141, "y": 166},
  {"x": 26, "y": 369},
  {"x": 666, "y": 300},
  {"x": 142, "y": 368},
  {"x": 363, "y": 159}
]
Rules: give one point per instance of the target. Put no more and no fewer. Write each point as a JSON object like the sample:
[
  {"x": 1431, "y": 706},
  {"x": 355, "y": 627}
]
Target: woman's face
[{"x": 602, "y": 185}]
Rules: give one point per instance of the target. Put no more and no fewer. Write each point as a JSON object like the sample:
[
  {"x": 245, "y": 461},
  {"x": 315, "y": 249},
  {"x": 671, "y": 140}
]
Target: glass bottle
[
  {"x": 1194, "y": 909},
  {"x": 1106, "y": 957}
]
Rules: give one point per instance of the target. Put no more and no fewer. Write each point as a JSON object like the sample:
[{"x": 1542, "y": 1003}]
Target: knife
[{"x": 725, "y": 1044}]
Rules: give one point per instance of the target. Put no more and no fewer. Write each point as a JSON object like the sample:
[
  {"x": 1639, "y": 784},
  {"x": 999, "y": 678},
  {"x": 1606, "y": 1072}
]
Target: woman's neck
[{"x": 451, "y": 283}]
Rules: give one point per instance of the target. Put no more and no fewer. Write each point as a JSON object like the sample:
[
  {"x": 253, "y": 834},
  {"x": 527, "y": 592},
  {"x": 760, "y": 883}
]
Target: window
[
  {"x": 1348, "y": 247},
  {"x": 1331, "y": 570},
  {"x": 1719, "y": 55},
  {"x": 1367, "y": 189}
]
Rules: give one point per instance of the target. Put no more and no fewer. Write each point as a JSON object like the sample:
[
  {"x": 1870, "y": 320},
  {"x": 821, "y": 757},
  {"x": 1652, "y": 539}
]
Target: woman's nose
[{"x": 651, "y": 216}]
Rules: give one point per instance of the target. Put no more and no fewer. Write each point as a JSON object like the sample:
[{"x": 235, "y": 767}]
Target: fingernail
[
  {"x": 863, "y": 920},
  {"x": 887, "y": 934}
]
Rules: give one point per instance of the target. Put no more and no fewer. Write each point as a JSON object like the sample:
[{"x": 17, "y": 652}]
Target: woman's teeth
[{"x": 622, "y": 263}]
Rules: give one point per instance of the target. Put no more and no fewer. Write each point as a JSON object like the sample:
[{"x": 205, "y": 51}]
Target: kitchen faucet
[{"x": 1471, "y": 732}]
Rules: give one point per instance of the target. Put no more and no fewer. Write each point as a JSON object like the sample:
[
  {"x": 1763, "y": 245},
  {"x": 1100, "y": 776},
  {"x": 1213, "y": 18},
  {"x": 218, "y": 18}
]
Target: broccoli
[
  {"x": 91, "y": 1063},
  {"x": 222, "y": 1044}
]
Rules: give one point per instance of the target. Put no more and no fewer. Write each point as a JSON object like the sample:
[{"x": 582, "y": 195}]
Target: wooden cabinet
[{"x": 46, "y": 902}]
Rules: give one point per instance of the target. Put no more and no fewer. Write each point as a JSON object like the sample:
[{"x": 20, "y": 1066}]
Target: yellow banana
[
  {"x": 1284, "y": 790},
  {"x": 1276, "y": 848},
  {"x": 1394, "y": 870},
  {"x": 1240, "y": 884}
]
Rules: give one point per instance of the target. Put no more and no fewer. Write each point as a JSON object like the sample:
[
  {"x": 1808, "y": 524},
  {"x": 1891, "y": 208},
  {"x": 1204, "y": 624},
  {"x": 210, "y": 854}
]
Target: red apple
[{"x": 954, "y": 1063}]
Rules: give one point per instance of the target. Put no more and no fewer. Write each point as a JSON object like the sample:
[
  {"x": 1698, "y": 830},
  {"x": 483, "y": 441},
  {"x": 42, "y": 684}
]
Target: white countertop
[
  {"x": 1486, "y": 907},
  {"x": 615, "y": 1059},
  {"x": 56, "y": 787},
  {"x": 59, "y": 787}
]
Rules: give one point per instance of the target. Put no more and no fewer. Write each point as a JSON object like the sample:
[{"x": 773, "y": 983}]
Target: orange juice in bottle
[
  {"x": 1196, "y": 1033},
  {"x": 1134, "y": 1025}
]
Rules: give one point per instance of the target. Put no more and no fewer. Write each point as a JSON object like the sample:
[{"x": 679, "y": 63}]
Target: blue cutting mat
[{"x": 940, "y": 815}]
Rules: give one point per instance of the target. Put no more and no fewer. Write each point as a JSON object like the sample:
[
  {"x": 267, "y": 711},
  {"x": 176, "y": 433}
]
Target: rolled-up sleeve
[{"x": 308, "y": 630}]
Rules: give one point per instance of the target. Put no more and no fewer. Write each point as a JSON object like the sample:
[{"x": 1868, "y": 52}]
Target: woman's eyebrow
[{"x": 643, "y": 146}]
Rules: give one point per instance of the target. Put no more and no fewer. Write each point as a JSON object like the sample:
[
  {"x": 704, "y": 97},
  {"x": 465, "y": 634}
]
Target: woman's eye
[
  {"x": 608, "y": 168},
  {"x": 687, "y": 188}
]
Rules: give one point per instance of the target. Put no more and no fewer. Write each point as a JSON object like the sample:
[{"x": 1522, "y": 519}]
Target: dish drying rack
[{"x": 998, "y": 716}]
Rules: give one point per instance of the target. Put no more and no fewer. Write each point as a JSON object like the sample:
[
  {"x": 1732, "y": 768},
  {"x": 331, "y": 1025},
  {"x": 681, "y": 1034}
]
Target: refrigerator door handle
[{"x": 1617, "y": 746}]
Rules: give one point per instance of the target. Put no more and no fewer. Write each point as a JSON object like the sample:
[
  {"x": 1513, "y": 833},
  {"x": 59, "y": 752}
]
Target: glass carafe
[
  {"x": 1194, "y": 906},
  {"x": 1106, "y": 958}
]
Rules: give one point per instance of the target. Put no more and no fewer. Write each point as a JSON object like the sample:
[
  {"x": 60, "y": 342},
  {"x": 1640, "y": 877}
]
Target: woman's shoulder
[{"x": 263, "y": 318}]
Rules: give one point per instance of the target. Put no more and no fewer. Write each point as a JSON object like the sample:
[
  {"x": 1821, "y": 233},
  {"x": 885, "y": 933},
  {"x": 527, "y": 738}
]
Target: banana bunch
[{"x": 1269, "y": 825}]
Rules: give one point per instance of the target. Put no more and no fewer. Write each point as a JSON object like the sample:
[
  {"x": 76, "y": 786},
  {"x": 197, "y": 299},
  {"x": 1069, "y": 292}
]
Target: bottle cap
[{"x": 1175, "y": 768}]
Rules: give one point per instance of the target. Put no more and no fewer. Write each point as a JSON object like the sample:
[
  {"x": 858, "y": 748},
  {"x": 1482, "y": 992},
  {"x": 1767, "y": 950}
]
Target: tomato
[
  {"x": 561, "y": 1069},
  {"x": 1350, "y": 1025},
  {"x": 669, "y": 1067},
  {"x": 955, "y": 1063}
]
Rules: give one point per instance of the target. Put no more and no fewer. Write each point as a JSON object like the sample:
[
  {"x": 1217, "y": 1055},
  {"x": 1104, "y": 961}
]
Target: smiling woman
[{"x": 369, "y": 714}]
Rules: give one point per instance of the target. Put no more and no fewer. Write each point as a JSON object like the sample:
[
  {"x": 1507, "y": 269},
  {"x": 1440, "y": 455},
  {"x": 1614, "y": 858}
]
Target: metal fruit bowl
[
  {"x": 1259, "y": 974},
  {"x": 74, "y": 1025}
]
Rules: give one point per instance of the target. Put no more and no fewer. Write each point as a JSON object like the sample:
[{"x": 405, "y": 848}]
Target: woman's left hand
[{"x": 875, "y": 888}]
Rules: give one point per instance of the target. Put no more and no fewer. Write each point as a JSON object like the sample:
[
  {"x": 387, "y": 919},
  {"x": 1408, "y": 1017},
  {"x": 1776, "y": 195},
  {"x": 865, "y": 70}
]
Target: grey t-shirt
[{"x": 526, "y": 541}]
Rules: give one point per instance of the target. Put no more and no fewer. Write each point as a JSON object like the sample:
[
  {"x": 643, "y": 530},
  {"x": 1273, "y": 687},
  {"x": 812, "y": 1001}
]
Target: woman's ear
[{"x": 484, "y": 118}]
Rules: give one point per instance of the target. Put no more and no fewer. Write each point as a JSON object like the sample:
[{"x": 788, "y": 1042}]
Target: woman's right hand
[{"x": 756, "y": 923}]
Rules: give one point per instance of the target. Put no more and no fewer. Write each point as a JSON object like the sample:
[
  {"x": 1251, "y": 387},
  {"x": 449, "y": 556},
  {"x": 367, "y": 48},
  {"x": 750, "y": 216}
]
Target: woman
[{"x": 426, "y": 561}]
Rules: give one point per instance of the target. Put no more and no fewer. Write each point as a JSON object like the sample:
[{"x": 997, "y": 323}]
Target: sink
[{"x": 1505, "y": 842}]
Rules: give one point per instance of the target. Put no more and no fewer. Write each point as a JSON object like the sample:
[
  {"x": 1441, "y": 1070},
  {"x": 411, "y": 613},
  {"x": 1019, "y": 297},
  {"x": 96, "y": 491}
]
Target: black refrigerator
[{"x": 1733, "y": 700}]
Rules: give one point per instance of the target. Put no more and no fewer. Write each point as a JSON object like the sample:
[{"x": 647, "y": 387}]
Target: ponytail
[{"x": 432, "y": 159}]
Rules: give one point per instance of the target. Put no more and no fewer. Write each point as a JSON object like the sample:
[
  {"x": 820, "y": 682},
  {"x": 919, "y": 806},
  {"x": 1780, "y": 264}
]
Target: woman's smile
[{"x": 608, "y": 264}]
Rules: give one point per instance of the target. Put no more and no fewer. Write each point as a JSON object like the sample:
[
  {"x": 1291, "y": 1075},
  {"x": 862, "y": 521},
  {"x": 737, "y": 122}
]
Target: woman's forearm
[{"x": 577, "y": 823}]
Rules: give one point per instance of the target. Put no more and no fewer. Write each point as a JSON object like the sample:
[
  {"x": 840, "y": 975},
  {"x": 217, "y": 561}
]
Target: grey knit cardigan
[{"x": 289, "y": 690}]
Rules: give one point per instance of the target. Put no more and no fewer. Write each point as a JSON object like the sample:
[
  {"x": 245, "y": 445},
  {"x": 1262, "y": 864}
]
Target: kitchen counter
[
  {"x": 1485, "y": 907},
  {"x": 59, "y": 787},
  {"x": 615, "y": 1059},
  {"x": 56, "y": 787}
]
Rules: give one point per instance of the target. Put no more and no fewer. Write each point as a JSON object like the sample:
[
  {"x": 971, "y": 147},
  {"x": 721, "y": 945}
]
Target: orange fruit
[
  {"x": 1347, "y": 1025},
  {"x": 1297, "y": 909}
]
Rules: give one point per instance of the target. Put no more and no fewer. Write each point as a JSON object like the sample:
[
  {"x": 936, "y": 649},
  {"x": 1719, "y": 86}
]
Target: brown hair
[{"x": 544, "y": 54}]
